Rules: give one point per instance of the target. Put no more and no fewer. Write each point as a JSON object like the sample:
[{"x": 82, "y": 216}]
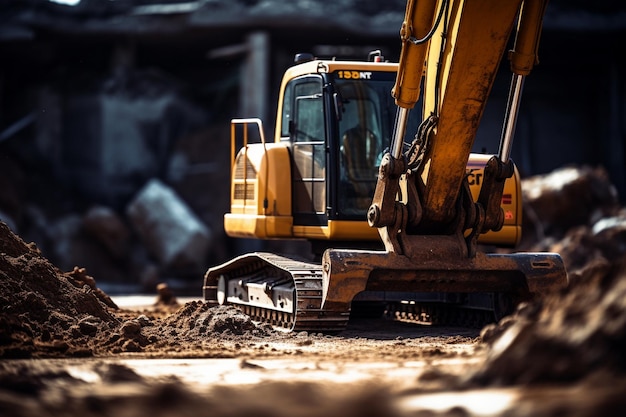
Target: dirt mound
[
  {"x": 197, "y": 319},
  {"x": 578, "y": 332},
  {"x": 49, "y": 313},
  {"x": 196, "y": 329},
  {"x": 45, "y": 311}
]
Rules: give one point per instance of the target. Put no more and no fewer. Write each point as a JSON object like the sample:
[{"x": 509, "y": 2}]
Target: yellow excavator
[{"x": 393, "y": 200}]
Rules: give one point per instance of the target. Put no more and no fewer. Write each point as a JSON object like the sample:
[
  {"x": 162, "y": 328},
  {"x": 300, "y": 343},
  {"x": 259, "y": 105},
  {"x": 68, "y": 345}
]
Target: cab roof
[{"x": 318, "y": 66}]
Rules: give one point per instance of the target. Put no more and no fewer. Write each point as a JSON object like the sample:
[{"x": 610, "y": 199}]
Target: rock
[
  {"x": 131, "y": 328},
  {"x": 565, "y": 198},
  {"x": 108, "y": 229},
  {"x": 169, "y": 229},
  {"x": 89, "y": 325},
  {"x": 165, "y": 295},
  {"x": 144, "y": 320}
]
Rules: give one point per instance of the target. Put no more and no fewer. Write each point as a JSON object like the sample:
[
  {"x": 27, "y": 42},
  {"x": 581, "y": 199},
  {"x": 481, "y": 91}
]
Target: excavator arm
[{"x": 453, "y": 48}]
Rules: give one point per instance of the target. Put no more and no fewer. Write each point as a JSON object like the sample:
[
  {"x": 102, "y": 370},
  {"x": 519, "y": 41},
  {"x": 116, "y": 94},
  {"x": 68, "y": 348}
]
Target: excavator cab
[{"x": 316, "y": 179}]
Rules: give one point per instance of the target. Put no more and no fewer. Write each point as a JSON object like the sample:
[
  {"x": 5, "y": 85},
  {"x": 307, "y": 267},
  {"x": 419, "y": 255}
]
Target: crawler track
[{"x": 305, "y": 278}]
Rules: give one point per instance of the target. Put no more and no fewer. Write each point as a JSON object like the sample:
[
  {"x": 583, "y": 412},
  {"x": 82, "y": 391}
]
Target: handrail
[{"x": 245, "y": 122}]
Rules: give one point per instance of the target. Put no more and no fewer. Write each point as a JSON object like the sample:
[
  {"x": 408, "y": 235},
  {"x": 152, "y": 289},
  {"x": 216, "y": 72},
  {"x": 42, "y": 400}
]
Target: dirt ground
[{"x": 67, "y": 349}]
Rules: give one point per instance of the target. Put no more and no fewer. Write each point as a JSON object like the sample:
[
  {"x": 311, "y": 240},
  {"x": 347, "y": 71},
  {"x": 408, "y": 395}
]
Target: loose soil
[{"x": 68, "y": 350}]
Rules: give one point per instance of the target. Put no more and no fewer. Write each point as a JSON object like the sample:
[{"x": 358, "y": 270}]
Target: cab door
[{"x": 308, "y": 145}]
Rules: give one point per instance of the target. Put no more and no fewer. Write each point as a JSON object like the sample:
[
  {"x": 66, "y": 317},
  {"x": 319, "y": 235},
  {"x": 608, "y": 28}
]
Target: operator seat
[{"x": 360, "y": 148}]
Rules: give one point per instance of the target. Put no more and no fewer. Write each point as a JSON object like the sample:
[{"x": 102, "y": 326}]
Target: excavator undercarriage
[{"x": 437, "y": 285}]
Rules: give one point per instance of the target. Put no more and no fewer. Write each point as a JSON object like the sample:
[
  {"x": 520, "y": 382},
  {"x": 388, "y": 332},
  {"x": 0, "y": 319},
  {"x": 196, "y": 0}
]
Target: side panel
[{"x": 261, "y": 193}]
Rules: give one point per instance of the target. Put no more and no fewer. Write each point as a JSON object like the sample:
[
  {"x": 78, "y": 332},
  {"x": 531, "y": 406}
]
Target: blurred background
[{"x": 109, "y": 108}]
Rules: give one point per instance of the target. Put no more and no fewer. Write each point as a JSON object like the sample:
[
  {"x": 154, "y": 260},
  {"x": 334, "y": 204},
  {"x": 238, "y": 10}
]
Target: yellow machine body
[
  {"x": 262, "y": 178},
  {"x": 352, "y": 164}
]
